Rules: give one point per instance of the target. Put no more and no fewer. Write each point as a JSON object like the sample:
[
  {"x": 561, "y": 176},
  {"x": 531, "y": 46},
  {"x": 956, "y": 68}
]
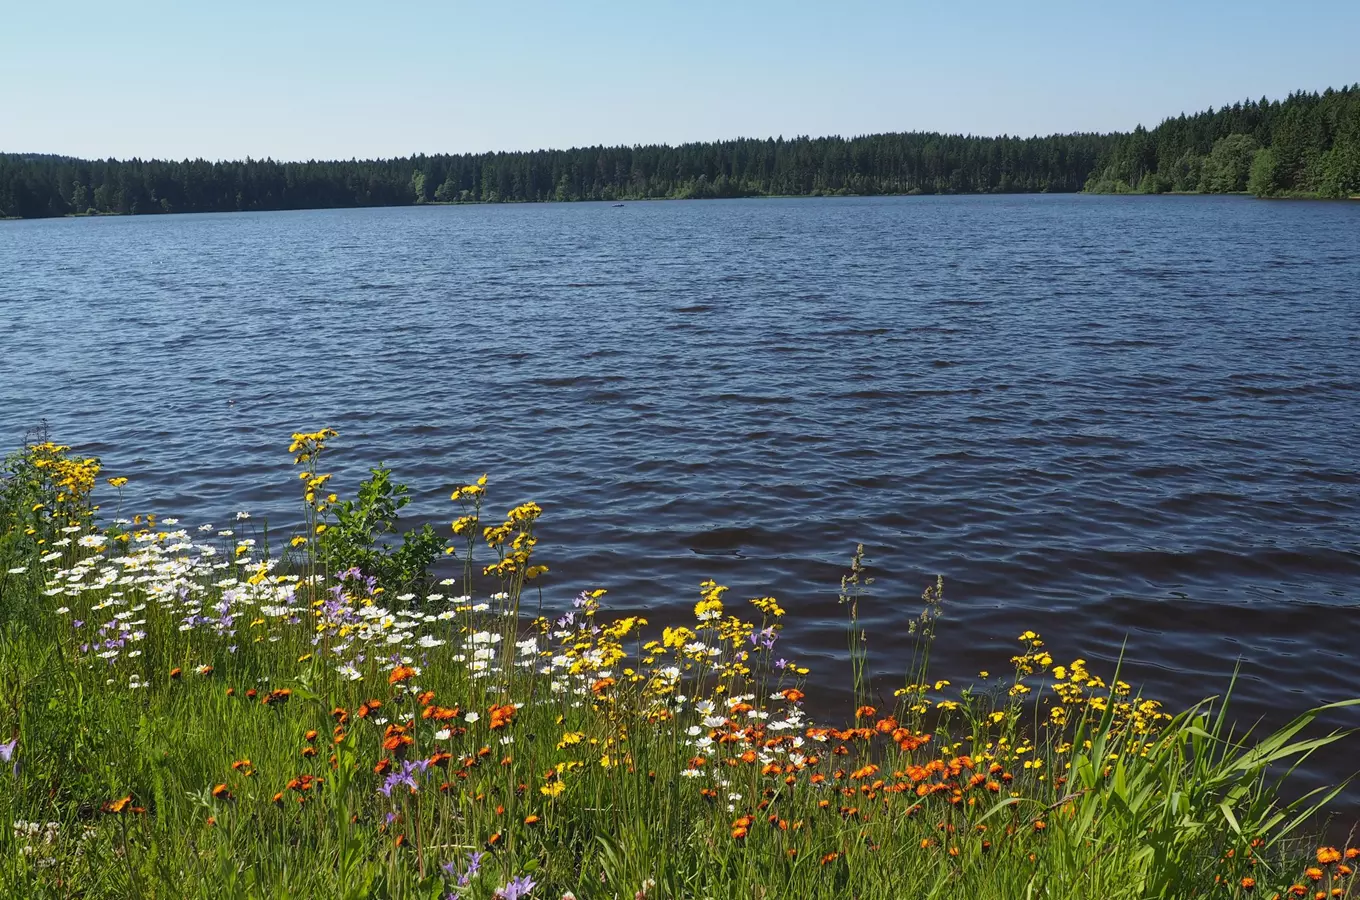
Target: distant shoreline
[
  {"x": 1306, "y": 146},
  {"x": 454, "y": 203}
]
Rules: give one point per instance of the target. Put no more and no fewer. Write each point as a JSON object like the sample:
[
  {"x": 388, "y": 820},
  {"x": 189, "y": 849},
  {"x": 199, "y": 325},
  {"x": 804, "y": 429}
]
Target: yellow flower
[
  {"x": 768, "y": 605},
  {"x": 552, "y": 789},
  {"x": 118, "y": 482}
]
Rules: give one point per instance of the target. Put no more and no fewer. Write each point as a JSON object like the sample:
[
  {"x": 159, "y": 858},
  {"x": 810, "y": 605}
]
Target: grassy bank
[{"x": 225, "y": 711}]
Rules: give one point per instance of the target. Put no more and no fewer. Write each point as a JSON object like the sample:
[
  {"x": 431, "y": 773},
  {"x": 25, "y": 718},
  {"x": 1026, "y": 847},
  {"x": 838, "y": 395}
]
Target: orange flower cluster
[
  {"x": 397, "y": 738},
  {"x": 440, "y": 713},
  {"x": 301, "y": 785},
  {"x": 275, "y": 697},
  {"x": 501, "y": 715}
]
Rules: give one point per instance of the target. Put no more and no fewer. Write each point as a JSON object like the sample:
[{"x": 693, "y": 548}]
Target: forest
[{"x": 1305, "y": 145}]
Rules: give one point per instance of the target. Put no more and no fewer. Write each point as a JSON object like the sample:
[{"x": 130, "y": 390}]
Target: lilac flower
[
  {"x": 765, "y": 637},
  {"x": 474, "y": 866},
  {"x": 406, "y": 775},
  {"x": 517, "y": 888},
  {"x": 7, "y": 754},
  {"x": 781, "y": 663}
]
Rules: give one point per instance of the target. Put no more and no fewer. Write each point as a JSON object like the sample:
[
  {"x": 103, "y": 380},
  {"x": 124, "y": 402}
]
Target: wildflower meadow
[{"x": 233, "y": 710}]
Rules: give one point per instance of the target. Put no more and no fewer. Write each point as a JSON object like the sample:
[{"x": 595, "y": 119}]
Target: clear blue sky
[{"x": 292, "y": 79}]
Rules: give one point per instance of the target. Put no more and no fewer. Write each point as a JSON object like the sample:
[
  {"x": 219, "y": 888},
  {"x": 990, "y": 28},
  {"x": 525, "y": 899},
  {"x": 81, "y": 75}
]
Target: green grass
[{"x": 638, "y": 761}]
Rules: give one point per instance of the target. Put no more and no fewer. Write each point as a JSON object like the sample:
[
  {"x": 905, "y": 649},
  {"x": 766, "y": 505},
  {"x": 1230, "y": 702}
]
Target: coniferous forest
[{"x": 1305, "y": 145}]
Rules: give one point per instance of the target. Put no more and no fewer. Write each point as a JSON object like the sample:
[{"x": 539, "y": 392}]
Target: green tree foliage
[
  {"x": 1229, "y": 164},
  {"x": 1304, "y": 145},
  {"x": 1315, "y": 139},
  {"x": 1264, "y": 180},
  {"x": 34, "y": 185}
]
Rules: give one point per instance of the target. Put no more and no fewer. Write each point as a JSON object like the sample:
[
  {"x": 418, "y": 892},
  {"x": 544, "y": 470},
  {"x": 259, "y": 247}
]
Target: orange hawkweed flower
[
  {"x": 308, "y": 752},
  {"x": 830, "y": 858},
  {"x": 865, "y": 712},
  {"x": 501, "y": 716},
  {"x": 531, "y": 820},
  {"x": 739, "y": 834},
  {"x": 278, "y": 799},
  {"x": 492, "y": 841},
  {"x": 1040, "y": 825},
  {"x": 279, "y": 696},
  {"x": 118, "y": 807},
  {"x": 1313, "y": 873},
  {"x": 426, "y": 698},
  {"x": 793, "y": 695},
  {"x": 1352, "y": 852},
  {"x": 1328, "y": 855},
  {"x": 220, "y": 792},
  {"x": 240, "y": 764},
  {"x": 400, "y": 674},
  {"x": 368, "y": 706},
  {"x": 382, "y": 767},
  {"x": 599, "y": 687},
  {"x": 310, "y": 736},
  {"x": 176, "y": 672},
  {"x": 251, "y": 693},
  {"x": 340, "y": 715}
]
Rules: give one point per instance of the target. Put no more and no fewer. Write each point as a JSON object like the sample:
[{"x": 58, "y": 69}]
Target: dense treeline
[
  {"x": 876, "y": 164},
  {"x": 1308, "y": 143}
]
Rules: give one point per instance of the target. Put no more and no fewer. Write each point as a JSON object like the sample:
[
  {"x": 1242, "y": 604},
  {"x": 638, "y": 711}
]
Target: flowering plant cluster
[{"x": 194, "y": 716}]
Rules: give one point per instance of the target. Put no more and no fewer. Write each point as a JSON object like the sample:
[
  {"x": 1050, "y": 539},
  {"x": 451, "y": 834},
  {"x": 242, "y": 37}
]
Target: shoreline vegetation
[
  {"x": 1306, "y": 146},
  {"x": 238, "y": 710}
]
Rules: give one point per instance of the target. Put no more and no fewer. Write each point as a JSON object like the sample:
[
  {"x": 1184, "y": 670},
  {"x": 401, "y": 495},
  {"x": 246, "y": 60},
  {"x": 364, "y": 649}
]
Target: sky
[{"x": 294, "y": 79}]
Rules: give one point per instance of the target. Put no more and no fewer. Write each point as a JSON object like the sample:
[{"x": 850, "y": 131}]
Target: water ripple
[{"x": 1109, "y": 419}]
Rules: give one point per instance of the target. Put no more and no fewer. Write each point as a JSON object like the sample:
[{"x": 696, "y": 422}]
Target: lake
[{"x": 1108, "y": 419}]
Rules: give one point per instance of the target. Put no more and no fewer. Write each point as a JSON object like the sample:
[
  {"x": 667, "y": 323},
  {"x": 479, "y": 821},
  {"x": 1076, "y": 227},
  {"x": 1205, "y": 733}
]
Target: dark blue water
[{"x": 1105, "y": 419}]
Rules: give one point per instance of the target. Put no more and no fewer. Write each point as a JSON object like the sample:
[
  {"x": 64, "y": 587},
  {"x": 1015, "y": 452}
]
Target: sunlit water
[{"x": 1106, "y": 419}]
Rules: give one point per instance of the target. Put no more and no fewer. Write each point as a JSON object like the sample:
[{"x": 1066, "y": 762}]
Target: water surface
[{"x": 1108, "y": 419}]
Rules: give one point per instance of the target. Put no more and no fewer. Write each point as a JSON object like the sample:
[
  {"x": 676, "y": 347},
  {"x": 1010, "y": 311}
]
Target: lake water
[{"x": 1109, "y": 419}]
